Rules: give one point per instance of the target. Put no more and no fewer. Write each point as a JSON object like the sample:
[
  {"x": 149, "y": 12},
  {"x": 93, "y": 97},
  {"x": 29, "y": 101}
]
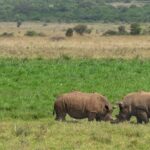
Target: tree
[{"x": 135, "y": 29}]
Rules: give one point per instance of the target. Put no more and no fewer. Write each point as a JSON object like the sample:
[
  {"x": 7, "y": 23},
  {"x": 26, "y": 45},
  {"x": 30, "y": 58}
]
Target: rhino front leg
[
  {"x": 91, "y": 116},
  {"x": 60, "y": 116},
  {"x": 142, "y": 117}
]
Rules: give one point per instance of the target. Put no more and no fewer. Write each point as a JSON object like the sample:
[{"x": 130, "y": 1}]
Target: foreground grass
[
  {"x": 82, "y": 135},
  {"x": 28, "y": 88}
]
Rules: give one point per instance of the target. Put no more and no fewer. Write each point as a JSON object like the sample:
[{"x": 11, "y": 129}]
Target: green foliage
[
  {"x": 135, "y": 29},
  {"x": 71, "y": 11},
  {"x": 146, "y": 31},
  {"x": 19, "y": 23},
  {"x": 69, "y": 32},
  {"x": 31, "y": 33},
  {"x": 80, "y": 29},
  {"x": 122, "y": 30},
  {"x": 28, "y": 88},
  {"x": 34, "y": 33},
  {"x": 110, "y": 32}
]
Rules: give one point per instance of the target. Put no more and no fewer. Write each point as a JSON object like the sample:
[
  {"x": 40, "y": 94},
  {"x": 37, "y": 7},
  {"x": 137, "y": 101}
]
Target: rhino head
[
  {"x": 124, "y": 112},
  {"x": 106, "y": 115}
]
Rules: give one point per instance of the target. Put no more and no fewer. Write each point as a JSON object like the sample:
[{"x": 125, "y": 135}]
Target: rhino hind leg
[
  {"x": 91, "y": 116},
  {"x": 142, "y": 117}
]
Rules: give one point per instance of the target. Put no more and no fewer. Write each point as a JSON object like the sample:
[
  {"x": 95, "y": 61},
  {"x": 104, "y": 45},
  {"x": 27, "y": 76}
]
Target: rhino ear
[{"x": 107, "y": 107}]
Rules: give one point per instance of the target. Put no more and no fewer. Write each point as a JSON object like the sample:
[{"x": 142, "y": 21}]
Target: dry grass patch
[
  {"x": 82, "y": 135},
  {"x": 90, "y": 46},
  {"x": 86, "y": 46}
]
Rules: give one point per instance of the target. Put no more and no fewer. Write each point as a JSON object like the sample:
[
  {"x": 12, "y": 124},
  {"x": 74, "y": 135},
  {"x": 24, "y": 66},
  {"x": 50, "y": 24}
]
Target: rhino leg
[
  {"x": 91, "y": 116},
  {"x": 60, "y": 115},
  {"x": 142, "y": 117}
]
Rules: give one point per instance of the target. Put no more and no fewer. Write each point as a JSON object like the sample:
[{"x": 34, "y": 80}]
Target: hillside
[{"x": 74, "y": 10}]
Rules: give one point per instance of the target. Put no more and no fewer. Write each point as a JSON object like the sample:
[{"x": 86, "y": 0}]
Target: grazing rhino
[
  {"x": 135, "y": 104},
  {"x": 83, "y": 105}
]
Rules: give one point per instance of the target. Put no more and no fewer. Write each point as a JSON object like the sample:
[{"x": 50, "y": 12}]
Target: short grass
[
  {"x": 72, "y": 135},
  {"x": 29, "y": 87}
]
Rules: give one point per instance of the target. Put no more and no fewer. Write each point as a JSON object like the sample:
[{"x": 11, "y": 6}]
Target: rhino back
[
  {"x": 75, "y": 104},
  {"x": 138, "y": 99}
]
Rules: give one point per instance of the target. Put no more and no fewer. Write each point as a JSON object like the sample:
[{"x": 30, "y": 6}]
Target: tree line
[{"x": 71, "y": 11}]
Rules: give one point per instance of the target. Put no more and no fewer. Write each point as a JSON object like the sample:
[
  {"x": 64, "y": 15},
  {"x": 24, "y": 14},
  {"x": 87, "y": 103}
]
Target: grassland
[
  {"x": 88, "y": 46},
  {"x": 35, "y": 70},
  {"x": 28, "y": 88},
  {"x": 51, "y": 135}
]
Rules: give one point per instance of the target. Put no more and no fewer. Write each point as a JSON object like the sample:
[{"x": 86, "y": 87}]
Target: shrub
[
  {"x": 6, "y": 34},
  {"x": 88, "y": 31},
  {"x": 19, "y": 23},
  {"x": 80, "y": 29},
  {"x": 34, "y": 33},
  {"x": 31, "y": 33},
  {"x": 69, "y": 32},
  {"x": 146, "y": 31},
  {"x": 110, "y": 32},
  {"x": 122, "y": 30},
  {"x": 135, "y": 29}
]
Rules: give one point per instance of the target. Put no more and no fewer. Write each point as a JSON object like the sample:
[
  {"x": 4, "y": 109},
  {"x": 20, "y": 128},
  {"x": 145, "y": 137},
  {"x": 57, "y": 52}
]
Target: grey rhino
[
  {"x": 135, "y": 104},
  {"x": 83, "y": 105}
]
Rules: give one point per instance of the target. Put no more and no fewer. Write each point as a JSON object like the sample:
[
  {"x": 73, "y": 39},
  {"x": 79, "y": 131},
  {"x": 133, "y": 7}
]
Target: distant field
[{"x": 87, "y": 46}]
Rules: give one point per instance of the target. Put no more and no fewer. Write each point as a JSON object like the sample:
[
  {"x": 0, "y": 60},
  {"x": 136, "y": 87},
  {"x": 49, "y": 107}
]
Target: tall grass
[{"x": 28, "y": 88}]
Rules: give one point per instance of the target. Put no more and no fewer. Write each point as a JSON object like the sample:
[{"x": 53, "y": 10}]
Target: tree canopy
[{"x": 72, "y": 11}]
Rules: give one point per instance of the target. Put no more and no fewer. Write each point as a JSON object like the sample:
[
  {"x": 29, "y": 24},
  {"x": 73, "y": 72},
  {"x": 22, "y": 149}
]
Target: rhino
[
  {"x": 81, "y": 105},
  {"x": 135, "y": 104}
]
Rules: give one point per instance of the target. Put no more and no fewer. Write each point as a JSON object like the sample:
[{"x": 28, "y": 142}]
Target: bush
[
  {"x": 31, "y": 33},
  {"x": 88, "y": 31},
  {"x": 122, "y": 30},
  {"x": 6, "y": 34},
  {"x": 80, "y": 29},
  {"x": 34, "y": 33},
  {"x": 69, "y": 32},
  {"x": 110, "y": 32},
  {"x": 19, "y": 23},
  {"x": 135, "y": 29},
  {"x": 146, "y": 31}
]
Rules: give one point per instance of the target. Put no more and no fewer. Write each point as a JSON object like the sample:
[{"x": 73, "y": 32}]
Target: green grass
[{"x": 28, "y": 88}]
